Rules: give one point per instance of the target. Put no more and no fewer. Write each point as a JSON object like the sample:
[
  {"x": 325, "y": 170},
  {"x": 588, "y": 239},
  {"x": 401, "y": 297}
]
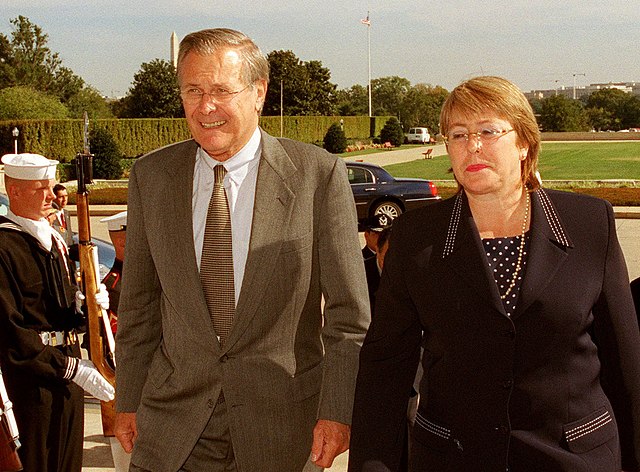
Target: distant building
[{"x": 628, "y": 87}]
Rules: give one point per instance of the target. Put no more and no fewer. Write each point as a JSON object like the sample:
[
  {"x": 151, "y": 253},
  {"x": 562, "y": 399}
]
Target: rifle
[
  {"x": 9, "y": 438},
  {"x": 98, "y": 324}
]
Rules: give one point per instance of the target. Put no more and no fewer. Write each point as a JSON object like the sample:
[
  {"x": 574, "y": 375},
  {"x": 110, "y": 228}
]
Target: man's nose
[{"x": 207, "y": 104}]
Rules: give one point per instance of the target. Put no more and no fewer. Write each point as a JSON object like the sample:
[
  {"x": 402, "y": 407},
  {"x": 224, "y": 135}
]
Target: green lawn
[{"x": 558, "y": 161}]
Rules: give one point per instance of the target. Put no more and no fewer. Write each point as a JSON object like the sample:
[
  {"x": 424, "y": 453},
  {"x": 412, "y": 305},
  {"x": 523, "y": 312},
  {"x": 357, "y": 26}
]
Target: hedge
[{"x": 63, "y": 139}]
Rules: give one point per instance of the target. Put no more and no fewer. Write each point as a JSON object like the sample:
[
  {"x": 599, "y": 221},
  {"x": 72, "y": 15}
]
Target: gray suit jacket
[{"x": 286, "y": 362}]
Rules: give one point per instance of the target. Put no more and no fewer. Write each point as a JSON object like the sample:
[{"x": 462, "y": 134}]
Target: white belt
[{"x": 53, "y": 338}]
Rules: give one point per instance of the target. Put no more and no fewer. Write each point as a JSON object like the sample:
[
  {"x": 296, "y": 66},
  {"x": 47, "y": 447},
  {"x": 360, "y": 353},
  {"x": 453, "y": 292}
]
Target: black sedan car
[{"x": 376, "y": 191}]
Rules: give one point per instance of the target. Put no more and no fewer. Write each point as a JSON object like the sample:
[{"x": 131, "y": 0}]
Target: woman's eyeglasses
[{"x": 486, "y": 136}]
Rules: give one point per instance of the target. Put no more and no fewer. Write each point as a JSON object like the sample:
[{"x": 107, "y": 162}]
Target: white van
[{"x": 418, "y": 135}]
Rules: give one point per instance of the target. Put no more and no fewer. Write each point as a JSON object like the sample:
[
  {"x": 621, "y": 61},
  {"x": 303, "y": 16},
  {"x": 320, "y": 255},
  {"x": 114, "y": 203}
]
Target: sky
[{"x": 536, "y": 44}]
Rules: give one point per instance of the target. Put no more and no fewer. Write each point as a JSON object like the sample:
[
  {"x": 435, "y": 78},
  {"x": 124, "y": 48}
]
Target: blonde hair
[
  {"x": 209, "y": 41},
  {"x": 497, "y": 95}
]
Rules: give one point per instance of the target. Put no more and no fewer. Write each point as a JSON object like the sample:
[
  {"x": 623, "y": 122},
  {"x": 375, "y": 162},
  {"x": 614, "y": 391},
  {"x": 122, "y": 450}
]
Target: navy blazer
[{"x": 553, "y": 388}]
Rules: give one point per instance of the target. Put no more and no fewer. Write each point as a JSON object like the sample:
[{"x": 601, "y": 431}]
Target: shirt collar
[
  {"x": 40, "y": 229},
  {"x": 239, "y": 164}
]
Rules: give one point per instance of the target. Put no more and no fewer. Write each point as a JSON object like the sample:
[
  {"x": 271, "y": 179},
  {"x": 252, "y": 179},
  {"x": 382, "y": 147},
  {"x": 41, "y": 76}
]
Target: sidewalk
[{"x": 400, "y": 155}]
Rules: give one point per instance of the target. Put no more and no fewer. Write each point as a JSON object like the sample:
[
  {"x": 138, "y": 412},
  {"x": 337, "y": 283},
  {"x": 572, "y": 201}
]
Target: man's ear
[{"x": 261, "y": 88}]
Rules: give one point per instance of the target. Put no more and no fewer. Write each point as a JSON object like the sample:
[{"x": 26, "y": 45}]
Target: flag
[{"x": 365, "y": 21}]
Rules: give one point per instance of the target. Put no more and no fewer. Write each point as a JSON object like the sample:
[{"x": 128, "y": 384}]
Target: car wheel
[{"x": 388, "y": 208}]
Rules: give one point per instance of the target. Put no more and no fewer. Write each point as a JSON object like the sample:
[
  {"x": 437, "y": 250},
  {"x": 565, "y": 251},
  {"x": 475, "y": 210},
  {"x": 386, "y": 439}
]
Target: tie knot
[{"x": 219, "y": 172}]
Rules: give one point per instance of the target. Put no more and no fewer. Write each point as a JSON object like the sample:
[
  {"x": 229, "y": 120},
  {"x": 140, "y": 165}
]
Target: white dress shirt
[{"x": 240, "y": 187}]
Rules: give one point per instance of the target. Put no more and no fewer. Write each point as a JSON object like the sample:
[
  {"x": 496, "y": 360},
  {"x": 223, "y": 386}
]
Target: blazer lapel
[
  {"x": 547, "y": 249},
  {"x": 274, "y": 200},
  {"x": 464, "y": 255}
]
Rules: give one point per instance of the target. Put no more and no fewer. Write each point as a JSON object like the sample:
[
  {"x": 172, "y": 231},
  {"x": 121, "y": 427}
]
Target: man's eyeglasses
[
  {"x": 486, "y": 136},
  {"x": 218, "y": 95}
]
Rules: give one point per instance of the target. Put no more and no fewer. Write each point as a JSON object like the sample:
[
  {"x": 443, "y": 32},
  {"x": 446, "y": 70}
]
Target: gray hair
[{"x": 208, "y": 41}]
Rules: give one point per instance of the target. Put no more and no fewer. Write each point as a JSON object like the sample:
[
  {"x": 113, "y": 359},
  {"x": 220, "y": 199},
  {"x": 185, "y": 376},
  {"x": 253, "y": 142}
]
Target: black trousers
[{"x": 50, "y": 418}]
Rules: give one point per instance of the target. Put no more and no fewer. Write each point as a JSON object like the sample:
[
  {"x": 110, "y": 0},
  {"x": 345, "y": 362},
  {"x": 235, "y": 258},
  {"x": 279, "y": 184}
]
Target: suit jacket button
[
  {"x": 211, "y": 403},
  {"x": 224, "y": 358},
  {"x": 507, "y": 384}
]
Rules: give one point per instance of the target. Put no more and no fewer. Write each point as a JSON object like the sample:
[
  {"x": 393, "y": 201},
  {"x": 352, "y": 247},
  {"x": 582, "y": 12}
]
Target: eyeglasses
[
  {"x": 486, "y": 136},
  {"x": 219, "y": 95}
]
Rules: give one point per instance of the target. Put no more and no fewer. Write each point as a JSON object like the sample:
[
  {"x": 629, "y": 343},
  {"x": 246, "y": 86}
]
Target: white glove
[
  {"x": 92, "y": 382},
  {"x": 79, "y": 301},
  {"x": 102, "y": 298}
]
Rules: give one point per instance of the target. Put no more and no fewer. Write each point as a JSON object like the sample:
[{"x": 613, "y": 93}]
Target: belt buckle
[
  {"x": 45, "y": 336},
  {"x": 70, "y": 337}
]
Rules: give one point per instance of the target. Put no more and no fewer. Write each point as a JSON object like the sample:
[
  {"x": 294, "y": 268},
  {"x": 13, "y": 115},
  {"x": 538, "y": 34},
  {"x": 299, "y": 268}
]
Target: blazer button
[
  {"x": 224, "y": 358},
  {"x": 507, "y": 384},
  {"x": 211, "y": 403},
  {"x": 502, "y": 429}
]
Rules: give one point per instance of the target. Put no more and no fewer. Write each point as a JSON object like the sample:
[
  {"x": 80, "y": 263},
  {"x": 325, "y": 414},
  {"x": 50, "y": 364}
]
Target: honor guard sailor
[
  {"x": 40, "y": 313},
  {"x": 117, "y": 226}
]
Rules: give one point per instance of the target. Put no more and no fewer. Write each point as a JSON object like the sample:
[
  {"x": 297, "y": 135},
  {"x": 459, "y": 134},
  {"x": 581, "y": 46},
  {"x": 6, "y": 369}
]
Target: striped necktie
[{"x": 216, "y": 263}]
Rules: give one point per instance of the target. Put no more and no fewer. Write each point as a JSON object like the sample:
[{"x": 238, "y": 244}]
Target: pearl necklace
[{"x": 516, "y": 271}]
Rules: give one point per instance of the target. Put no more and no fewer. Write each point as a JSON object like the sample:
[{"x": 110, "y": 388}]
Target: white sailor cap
[
  {"x": 29, "y": 167},
  {"x": 116, "y": 222}
]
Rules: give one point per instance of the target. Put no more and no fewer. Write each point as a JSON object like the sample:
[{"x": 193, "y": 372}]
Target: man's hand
[
  {"x": 126, "y": 430},
  {"x": 330, "y": 438}
]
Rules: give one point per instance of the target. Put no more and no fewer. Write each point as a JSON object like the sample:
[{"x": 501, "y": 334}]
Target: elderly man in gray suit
[{"x": 227, "y": 360}]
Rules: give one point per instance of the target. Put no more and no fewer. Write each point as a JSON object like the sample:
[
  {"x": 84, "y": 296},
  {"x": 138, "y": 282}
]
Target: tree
[
  {"x": 26, "y": 60},
  {"x": 306, "y": 87},
  {"x": 25, "y": 103},
  {"x": 421, "y": 106},
  {"x": 353, "y": 101},
  {"x": 335, "y": 140},
  {"x": 536, "y": 105},
  {"x": 107, "y": 155},
  {"x": 619, "y": 109},
  {"x": 90, "y": 100},
  {"x": 601, "y": 119},
  {"x": 320, "y": 96},
  {"x": 154, "y": 93},
  {"x": 388, "y": 95},
  {"x": 631, "y": 113},
  {"x": 560, "y": 113},
  {"x": 392, "y": 132}
]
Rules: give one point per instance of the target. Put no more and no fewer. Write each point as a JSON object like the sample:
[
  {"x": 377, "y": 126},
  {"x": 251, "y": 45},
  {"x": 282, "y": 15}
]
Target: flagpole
[
  {"x": 369, "y": 54},
  {"x": 367, "y": 23}
]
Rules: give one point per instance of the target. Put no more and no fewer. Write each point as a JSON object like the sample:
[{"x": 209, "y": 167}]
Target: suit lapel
[
  {"x": 274, "y": 200},
  {"x": 547, "y": 249},
  {"x": 466, "y": 258},
  {"x": 179, "y": 241}
]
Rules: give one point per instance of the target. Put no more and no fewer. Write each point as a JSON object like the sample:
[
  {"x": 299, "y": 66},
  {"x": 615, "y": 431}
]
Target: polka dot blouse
[{"x": 502, "y": 255}]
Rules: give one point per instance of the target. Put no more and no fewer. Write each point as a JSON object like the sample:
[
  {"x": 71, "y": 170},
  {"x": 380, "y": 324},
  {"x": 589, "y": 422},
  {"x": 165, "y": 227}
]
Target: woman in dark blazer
[{"x": 520, "y": 298}]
